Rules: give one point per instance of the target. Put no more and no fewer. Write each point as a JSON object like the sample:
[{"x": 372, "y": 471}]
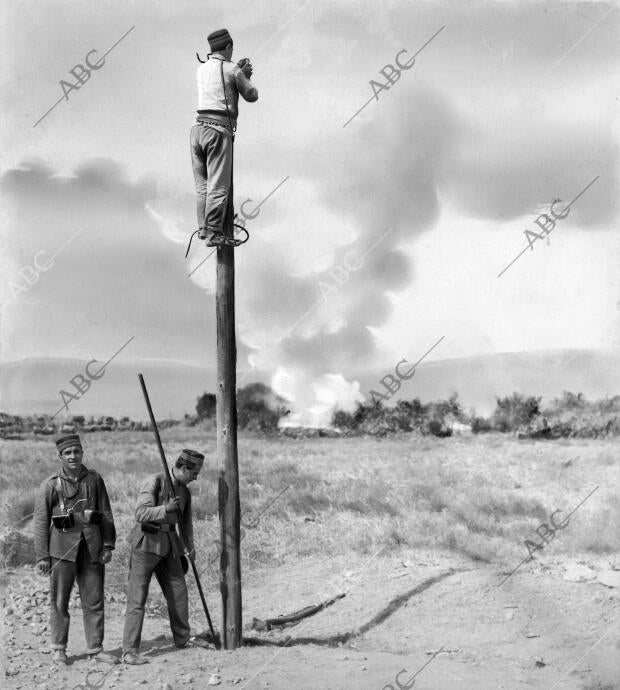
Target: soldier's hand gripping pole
[{"x": 173, "y": 495}]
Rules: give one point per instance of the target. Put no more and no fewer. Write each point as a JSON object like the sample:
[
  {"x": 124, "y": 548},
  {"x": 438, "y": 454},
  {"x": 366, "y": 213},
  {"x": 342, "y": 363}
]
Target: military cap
[
  {"x": 192, "y": 459},
  {"x": 68, "y": 442},
  {"x": 219, "y": 39}
]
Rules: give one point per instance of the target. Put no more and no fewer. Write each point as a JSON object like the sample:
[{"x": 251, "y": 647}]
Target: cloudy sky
[{"x": 426, "y": 193}]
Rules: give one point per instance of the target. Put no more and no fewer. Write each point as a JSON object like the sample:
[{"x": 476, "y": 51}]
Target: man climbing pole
[{"x": 211, "y": 139}]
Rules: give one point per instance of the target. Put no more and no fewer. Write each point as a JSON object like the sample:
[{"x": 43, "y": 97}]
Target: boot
[
  {"x": 215, "y": 238},
  {"x": 133, "y": 659},
  {"x": 194, "y": 642},
  {"x": 60, "y": 656},
  {"x": 104, "y": 657}
]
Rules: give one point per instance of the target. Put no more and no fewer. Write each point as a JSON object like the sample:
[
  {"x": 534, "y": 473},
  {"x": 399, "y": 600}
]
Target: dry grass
[{"x": 479, "y": 496}]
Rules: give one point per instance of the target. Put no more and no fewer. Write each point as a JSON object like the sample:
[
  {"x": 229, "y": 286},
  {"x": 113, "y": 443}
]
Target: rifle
[{"x": 180, "y": 522}]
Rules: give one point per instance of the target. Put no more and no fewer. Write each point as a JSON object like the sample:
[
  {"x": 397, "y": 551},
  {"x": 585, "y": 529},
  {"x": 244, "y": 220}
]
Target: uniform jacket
[
  {"x": 49, "y": 541},
  {"x": 150, "y": 508}
]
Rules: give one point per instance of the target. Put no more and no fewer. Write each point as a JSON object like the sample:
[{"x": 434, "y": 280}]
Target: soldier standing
[
  {"x": 157, "y": 548},
  {"x": 74, "y": 536}
]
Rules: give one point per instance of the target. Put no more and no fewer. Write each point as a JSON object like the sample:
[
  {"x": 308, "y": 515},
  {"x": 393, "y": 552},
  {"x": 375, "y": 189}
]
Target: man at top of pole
[{"x": 211, "y": 139}]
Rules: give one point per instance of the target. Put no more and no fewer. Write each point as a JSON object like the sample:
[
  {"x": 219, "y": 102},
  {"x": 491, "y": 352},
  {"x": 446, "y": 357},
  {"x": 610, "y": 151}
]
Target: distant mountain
[
  {"x": 479, "y": 380},
  {"x": 33, "y": 386}
]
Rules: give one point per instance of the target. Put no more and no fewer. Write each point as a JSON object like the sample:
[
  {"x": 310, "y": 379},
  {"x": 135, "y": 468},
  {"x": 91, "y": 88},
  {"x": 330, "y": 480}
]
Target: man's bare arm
[{"x": 245, "y": 87}]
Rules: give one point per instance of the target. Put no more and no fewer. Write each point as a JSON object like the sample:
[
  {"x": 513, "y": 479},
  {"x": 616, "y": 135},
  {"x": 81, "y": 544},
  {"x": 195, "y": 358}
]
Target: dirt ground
[{"x": 553, "y": 624}]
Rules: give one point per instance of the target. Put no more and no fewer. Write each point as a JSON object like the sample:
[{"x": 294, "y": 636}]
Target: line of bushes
[
  {"x": 259, "y": 409},
  {"x": 435, "y": 418},
  {"x": 569, "y": 416}
]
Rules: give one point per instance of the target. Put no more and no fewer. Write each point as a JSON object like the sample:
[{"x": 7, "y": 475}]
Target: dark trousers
[
  {"x": 212, "y": 155},
  {"x": 89, "y": 576},
  {"x": 169, "y": 574}
]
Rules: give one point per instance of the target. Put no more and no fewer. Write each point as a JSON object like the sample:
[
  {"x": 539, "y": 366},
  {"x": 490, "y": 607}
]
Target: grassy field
[
  {"x": 418, "y": 531},
  {"x": 480, "y": 496}
]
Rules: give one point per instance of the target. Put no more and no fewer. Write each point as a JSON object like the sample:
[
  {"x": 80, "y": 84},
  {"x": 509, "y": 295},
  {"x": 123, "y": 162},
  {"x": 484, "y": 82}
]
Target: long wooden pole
[{"x": 226, "y": 416}]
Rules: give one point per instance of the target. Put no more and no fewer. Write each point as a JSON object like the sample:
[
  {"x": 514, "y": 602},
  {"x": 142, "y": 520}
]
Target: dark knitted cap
[
  {"x": 192, "y": 459},
  {"x": 68, "y": 442},
  {"x": 219, "y": 39}
]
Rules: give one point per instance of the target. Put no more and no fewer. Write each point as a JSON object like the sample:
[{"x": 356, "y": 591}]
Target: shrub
[
  {"x": 436, "y": 427},
  {"x": 343, "y": 420},
  {"x": 205, "y": 406},
  {"x": 480, "y": 425},
  {"x": 513, "y": 411},
  {"x": 259, "y": 408}
]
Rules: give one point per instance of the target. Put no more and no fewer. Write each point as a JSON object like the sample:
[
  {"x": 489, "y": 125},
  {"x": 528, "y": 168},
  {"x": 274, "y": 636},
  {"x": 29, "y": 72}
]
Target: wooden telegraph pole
[{"x": 226, "y": 416}]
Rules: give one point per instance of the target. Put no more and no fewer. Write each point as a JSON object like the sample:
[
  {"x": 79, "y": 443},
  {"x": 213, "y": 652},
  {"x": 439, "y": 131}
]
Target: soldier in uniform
[
  {"x": 74, "y": 536},
  {"x": 157, "y": 548}
]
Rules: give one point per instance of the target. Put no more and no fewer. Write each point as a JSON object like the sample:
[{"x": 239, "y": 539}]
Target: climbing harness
[{"x": 220, "y": 239}]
